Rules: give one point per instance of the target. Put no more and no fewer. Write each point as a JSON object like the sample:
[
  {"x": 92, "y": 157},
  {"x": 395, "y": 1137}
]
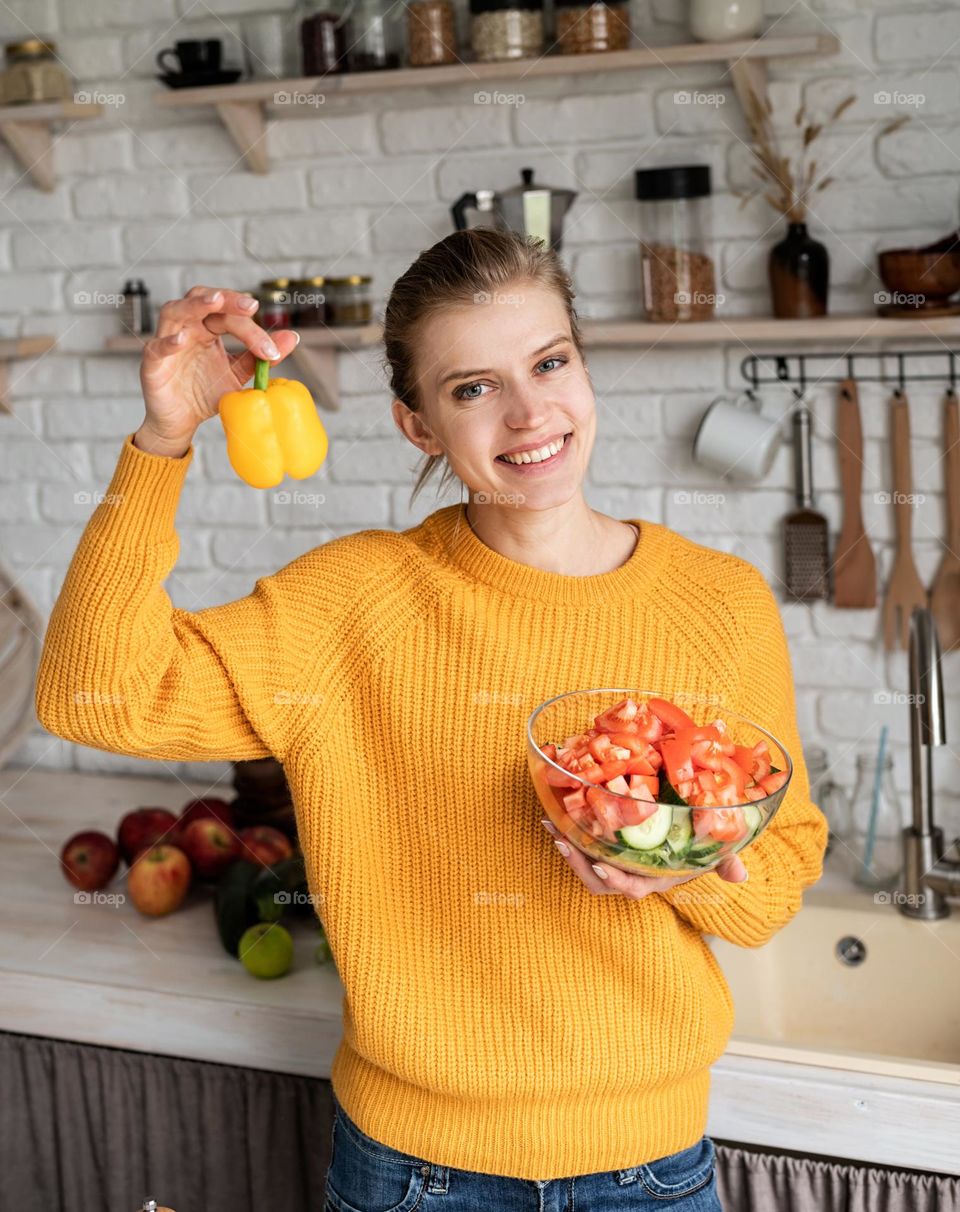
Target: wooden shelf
[
  {"x": 18, "y": 347},
  {"x": 26, "y": 130},
  {"x": 242, "y": 106},
  {"x": 765, "y": 330},
  {"x": 315, "y": 357}
]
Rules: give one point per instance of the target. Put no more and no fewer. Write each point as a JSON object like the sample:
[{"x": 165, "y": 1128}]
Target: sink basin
[{"x": 896, "y": 1011}]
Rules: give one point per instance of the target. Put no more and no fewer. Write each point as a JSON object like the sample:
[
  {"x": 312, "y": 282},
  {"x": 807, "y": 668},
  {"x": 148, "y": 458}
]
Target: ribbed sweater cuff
[{"x": 140, "y": 504}]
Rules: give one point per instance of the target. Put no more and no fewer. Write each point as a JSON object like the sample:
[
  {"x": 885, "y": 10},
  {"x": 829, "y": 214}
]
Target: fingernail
[
  {"x": 297, "y": 335},
  {"x": 248, "y": 302},
  {"x": 550, "y": 827},
  {"x": 179, "y": 337},
  {"x": 745, "y": 878},
  {"x": 561, "y": 846},
  {"x": 270, "y": 350},
  {"x": 599, "y": 870},
  {"x": 214, "y": 297}
]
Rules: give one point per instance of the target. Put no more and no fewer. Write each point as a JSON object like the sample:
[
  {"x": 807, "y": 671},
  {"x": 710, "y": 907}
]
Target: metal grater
[{"x": 805, "y": 530}]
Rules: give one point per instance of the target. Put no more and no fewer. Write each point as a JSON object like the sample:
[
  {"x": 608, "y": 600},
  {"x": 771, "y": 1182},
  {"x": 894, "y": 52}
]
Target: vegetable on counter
[{"x": 273, "y": 429}]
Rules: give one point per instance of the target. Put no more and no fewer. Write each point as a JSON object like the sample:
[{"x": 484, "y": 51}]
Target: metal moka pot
[{"x": 528, "y": 209}]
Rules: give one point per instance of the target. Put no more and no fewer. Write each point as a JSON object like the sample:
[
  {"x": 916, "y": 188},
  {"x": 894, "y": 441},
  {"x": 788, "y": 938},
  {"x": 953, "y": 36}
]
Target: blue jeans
[{"x": 367, "y": 1176}]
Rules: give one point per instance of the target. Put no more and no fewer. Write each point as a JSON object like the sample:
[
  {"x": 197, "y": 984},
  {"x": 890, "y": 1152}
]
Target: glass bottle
[
  {"x": 829, "y": 797},
  {"x": 880, "y": 868}
]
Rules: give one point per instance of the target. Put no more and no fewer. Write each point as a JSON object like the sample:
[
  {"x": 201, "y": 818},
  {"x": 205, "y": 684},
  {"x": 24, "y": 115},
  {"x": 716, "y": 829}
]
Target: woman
[{"x": 518, "y": 1027}]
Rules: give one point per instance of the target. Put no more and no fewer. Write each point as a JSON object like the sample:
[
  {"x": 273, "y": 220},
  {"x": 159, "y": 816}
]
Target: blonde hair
[{"x": 462, "y": 268}]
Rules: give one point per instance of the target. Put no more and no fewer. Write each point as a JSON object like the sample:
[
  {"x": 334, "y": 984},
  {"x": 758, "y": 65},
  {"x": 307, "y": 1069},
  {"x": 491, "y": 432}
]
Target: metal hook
[
  {"x": 783, "y": 372},
  {"x": 952, "y": 389},
  {"x": 900, "y": 374},
  {"x": 850, "y": 374}
]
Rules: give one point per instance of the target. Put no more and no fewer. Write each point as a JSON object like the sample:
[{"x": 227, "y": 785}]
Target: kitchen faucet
[{"x": 929, "y": 878}]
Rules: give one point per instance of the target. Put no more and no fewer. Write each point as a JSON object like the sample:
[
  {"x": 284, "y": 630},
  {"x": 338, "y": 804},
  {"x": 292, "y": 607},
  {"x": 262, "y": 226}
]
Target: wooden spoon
[
  {"x": 905, "y": 589},
  {"x": 945, "y": 590},
  {"x": 854, "y": 566}
]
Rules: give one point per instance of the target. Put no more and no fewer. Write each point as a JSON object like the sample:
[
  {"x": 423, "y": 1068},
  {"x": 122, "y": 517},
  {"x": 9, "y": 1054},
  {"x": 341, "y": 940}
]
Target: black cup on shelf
[{"x": 193, "y": 55}]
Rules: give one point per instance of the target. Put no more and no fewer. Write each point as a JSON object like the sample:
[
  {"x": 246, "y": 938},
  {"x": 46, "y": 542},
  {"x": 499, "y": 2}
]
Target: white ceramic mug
[{"x": 735, "y": 439}]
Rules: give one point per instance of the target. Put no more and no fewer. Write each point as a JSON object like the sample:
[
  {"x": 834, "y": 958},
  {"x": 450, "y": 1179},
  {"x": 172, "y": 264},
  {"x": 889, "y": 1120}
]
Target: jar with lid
[
  {"x": 135, "y": 308},
  {"x": 505, "y": 29},
  {"x": 33, "y": 72},
  {"x": 309, "y": 301},
  {"x": 584, "y": 26},
  {"x": 324, "y": 36},
  {"x": 348, "y": 300},
  {"x": 376, "y": 36},
  {"x": 875, "y": 854},
  {"x": 431, "y": 33},
  {"x": 677, "y": 275},
  {"x": 832, "y": 800},
  {"x": 275, "y": 310}
]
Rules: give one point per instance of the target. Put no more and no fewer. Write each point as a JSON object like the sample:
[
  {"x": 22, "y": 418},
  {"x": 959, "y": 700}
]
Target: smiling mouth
[{"x": 517, "y": 461}]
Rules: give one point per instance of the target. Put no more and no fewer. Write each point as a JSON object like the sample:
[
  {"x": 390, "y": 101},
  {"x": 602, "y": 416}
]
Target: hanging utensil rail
[{"x": 795, "y": 368}]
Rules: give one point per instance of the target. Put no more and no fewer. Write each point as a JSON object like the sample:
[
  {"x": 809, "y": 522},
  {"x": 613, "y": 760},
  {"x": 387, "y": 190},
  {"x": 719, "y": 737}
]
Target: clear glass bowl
[{"x": 689, "y": 848}]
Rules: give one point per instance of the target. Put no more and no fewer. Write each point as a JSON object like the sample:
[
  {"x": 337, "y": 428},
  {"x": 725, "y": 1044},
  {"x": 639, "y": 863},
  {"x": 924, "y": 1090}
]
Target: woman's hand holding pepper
[
  {"x": 622, "y": 883},
  {"x": 186, "y": 368}
]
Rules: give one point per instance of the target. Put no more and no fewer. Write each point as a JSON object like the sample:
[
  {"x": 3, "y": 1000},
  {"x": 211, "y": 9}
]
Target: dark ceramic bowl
[{"x": 922, "y": 278}]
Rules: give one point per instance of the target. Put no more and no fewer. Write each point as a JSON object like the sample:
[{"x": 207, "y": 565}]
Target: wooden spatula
[
  {"x": 854, "y": 566},
  {"x": 945, "y": 590},
  {"x": 905, "y": 589}
]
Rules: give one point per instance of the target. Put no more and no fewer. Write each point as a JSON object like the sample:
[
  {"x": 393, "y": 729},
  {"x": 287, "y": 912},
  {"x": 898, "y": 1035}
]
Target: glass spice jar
[
  {"x": 431, "y": 33},
  {"x": 348, "y": 300},
  {"x": 583, "y": 27},
  {"x": 275, "y": 310},
  {"x": 324, "y": 30},
  {"x": 376, "y": 36},
  {"x": 309, "y": 301},
  {"x": 505, "y": 29},
  {"x": 678, "y": 281}
]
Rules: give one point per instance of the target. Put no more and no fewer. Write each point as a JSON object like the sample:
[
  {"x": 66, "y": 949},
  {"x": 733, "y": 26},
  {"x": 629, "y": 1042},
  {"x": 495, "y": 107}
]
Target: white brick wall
[{"x": 364, "y": 184}]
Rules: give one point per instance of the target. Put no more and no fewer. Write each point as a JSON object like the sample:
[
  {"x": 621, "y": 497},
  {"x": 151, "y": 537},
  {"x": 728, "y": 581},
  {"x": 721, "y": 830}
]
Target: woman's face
[{"x": 496, "y": 376}]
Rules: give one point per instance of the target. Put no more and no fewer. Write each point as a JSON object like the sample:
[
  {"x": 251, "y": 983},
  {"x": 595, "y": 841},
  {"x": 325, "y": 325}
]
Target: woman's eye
[
  {"x": 460, "y": 392},
  {"x": 560, "y": 360}
]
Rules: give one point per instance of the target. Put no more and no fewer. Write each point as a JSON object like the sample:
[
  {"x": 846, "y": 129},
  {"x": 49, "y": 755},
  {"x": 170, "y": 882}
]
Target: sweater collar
[{"x": 455, "y": 543}]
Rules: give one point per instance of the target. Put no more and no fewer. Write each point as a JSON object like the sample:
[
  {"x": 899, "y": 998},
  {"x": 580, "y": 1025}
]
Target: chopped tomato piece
[
  {"x": 607, "y": 809},
  {"x": 669, "y": 714},
  {"x": 646, "y": 786},
  {"x": 677, "y": 759},
  {"x": 773, "y": 782},
  {"x": 618, "y": 717},
  {"x": 755, "y": 760}
]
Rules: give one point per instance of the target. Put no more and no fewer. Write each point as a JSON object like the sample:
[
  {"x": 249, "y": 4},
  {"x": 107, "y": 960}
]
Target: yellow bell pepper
[{"x": 272, "y": 429}]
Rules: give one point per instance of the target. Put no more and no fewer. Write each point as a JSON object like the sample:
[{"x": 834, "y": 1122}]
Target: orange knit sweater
[{"x": 498, "y": 1016}]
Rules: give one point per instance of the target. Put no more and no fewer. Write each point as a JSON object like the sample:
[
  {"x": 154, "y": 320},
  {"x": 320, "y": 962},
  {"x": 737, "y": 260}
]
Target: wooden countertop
[{"x": 106, "y": 974}]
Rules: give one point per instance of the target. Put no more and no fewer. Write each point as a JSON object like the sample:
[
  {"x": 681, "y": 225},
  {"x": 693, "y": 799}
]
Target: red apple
[
  {"x": 159, "y": 879},
  {"x": 145, "y": 827},
  {"x": 265, "y": 845},
  {"x": 205, "y": 807},
  {"x": 89, "y": 860},
  {"x": 210, "y": 845}
]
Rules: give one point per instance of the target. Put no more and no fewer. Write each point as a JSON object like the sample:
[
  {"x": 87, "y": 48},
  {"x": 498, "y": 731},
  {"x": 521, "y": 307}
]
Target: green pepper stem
[{"x": 261, "y": 376}]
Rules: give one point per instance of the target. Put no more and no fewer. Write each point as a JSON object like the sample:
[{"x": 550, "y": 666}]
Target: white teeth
[{"x": 535, "y": 456}]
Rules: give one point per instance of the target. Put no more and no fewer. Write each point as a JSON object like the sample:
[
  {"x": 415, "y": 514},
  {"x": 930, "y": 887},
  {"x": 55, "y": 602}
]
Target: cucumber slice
[
  {"x": 681, "y": 830},
  {"x": 754, "y": 819},
  {"x": 668, "y": 793},
  {"x": 651, "y": 833},
  {"x": 703, "y": 854}
]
